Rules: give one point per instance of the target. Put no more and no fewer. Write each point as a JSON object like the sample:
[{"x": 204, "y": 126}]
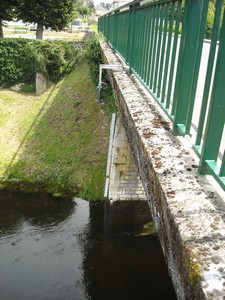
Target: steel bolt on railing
[{"x": 147, "y": 36}]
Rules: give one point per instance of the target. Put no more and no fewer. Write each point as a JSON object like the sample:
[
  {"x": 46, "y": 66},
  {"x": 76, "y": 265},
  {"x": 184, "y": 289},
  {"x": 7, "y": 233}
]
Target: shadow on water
[
  {"x": 56, "y": 249},
  {"x": 119, "y": 261},
  {"x": 42, "y": 211}
]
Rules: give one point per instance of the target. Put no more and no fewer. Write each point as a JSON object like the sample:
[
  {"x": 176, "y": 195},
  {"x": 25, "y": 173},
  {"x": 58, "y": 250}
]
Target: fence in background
[{"x": 163, "y": 43}]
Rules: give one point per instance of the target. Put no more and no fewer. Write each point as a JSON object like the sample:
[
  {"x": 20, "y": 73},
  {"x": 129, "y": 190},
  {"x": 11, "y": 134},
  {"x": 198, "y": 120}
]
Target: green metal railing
[{"x": 163, "y": 44}]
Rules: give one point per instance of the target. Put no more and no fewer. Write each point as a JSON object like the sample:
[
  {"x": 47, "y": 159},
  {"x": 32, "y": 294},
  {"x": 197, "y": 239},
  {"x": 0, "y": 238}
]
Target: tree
[
  {"x": 106, "y": 6},
  {"x": 7, "y": 13},
  {"x": 91, "y": 5},
  {"x": 84, "y": 10},
  {"x": 54, "y": 14},
  {"x": 211, "y": 16}
]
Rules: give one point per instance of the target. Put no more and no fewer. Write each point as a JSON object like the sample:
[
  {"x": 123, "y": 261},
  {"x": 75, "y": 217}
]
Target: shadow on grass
[
  {"x": 34, "y": 123},
  {"x": 64, "y": 150}
]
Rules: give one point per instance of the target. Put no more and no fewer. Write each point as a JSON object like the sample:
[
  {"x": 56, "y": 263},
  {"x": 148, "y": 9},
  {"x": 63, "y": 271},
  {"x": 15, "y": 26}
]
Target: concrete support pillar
[{"x": 124, "y": 180}]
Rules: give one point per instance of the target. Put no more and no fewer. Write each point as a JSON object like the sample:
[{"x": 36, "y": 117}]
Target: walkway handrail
[{"x": 163, "y": 44}]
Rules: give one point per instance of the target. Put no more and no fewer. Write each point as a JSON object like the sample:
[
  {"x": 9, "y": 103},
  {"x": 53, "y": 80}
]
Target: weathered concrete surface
[
  {"x": 124, "y": 179},
  {"x": 41, "y": 83},
  {"x": 188, "y": 212}
]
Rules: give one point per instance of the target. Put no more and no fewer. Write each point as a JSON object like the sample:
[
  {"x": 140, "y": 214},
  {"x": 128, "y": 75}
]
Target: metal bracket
[{"x": 118, "y": 68}]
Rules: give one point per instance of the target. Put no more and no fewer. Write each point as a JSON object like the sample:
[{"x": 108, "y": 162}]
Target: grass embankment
[{"x": 56, "y": 142}]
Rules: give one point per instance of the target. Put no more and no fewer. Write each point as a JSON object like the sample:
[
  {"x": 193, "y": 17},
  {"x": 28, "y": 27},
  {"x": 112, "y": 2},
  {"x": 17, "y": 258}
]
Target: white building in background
[
  {"x": 118, "y": 3},
  {"x": 100, "y": 11},
  {"x": 113, "y": 5}
]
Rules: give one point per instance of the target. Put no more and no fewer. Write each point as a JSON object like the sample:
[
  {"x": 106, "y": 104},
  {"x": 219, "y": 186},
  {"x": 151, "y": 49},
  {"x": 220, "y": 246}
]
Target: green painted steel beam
[
  {"x": 154, "y": 53},
  {"x": 197, "y": 66},
  {"x": 165, "y": 77},
  {"x": 165, "y": 17},
  {"x": 209, "y": 72},
  {"x": 174, "y": 52},
  {"x": 187, "y": 61},
  {"x": 213, "y": 169},
  {"x": 151, "y": 45},
  {"x": 150, "y": 12},
  {"x": 159, "y": 46},
  {"x": 222, "y": 169},
  {"x": 145, "y": 43}
]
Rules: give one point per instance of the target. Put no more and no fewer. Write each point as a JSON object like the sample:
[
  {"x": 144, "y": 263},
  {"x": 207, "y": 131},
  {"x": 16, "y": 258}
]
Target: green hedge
[
  {"x": 93, "y": 57},
  {"x": 20, "y": 59}
]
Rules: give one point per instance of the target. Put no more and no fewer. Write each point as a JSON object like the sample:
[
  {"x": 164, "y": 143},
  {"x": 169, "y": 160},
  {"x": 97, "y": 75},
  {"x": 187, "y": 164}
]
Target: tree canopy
[
  {"x": 7, "y": 12},
  {"x": 54, "y": 14},
  {"x": 106, "y": 6}
]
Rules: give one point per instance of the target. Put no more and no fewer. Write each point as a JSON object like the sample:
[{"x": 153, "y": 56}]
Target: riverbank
[{"x": 57, "y": 142}]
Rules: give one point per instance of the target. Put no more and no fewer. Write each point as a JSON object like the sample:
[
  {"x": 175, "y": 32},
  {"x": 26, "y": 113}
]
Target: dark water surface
[{"x": 65, "y": 249}]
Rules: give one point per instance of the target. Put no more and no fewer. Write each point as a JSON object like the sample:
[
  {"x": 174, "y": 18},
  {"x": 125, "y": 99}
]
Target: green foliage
[
  {"x": 93, "y": 57},
  {"x": 106, "y": 6},
  {"x": 52, "y": 14},
  {"x": 83, "y": 10},
  {"x": 27, "y": 88},
  {"x": 211, "y": 16},
  {"x": 7, "y": 11},
  {"x": 20, "y": 59},
  {"x": 210, "y": 19},
  {"x": 13, "y": 64},
  {"x": 55, "y": 59}
]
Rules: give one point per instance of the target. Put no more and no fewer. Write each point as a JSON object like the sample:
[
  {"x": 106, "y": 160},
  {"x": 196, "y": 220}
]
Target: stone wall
[{"x": 124, "y": 180}]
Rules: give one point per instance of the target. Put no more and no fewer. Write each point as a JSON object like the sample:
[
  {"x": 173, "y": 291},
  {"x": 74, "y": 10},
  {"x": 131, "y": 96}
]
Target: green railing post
[
  {"x": 156, "y": 33},
  {"x": 197, "y": 65},
  {"x": 145, "y": 43},
  {"x": 173, "y": 56},
  {"x": 165, "y": 18},
  {"x": 222, "y": 169},
  {"x": 168, "y": 66},
  {"x": 215, "y": 34},
  {"x": 151, "y": 45},
  {"x": 116, "y": 29},
  {"x": 187, "y": 63},
  {"x": 146, "y": 68},
  {"x": 130, "y": 34},
  {"x": 168, "y": 53},
  {"x": 216, "y": 115},
  {"x": 159, "y": 45},
  {"x": 133, "y": 49}
]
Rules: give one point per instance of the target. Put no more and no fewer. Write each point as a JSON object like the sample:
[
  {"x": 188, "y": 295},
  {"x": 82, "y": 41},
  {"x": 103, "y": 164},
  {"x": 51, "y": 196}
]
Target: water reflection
[
  {"x": 39, "y": 210},
  {"x": 65, "y": 249},
  {"x": 119, "y": 262}
]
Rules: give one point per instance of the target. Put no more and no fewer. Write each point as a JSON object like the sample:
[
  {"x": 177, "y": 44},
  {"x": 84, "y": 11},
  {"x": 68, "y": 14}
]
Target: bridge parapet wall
[{"x": 188, "y": 212}]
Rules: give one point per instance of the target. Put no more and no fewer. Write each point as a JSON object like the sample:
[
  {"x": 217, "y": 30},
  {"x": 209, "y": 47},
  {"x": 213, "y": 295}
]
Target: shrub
[
  {"x": 13, "y": 64},
  {"x": 92, "y": 55},
  {"x": 211, "y": 17},
  {"x": 20, "y": 59},
  {"x": 210, "y": 20}
]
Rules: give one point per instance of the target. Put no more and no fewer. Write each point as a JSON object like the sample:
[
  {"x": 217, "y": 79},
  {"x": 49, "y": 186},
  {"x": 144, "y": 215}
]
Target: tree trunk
[
  {"x": 1, "y": 30},
  {"x": 39, "y": 32}
]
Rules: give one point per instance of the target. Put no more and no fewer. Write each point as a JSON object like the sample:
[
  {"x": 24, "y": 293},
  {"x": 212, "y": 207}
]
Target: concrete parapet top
[{"x": 188, "y": 211}]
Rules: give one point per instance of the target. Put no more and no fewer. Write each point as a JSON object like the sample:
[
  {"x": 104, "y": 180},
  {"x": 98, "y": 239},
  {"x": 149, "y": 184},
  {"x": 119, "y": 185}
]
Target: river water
[{"x": 67, "y": 249}]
